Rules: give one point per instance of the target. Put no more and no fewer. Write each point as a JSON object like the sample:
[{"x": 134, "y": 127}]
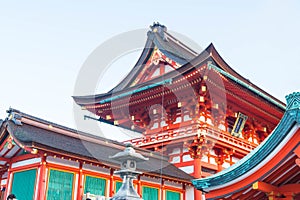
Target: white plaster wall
[
  {"x": 64, "y": 162},
  {"x": 26, "y": 162},
  {"x": 189, "y": 193},
  {"x": 96, "y": 169}
]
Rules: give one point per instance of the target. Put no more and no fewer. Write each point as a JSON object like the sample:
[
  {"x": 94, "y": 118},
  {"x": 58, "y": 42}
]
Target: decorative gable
[{"x": 157, "y": 65}]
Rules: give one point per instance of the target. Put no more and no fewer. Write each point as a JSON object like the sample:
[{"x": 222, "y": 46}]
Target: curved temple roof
[
  {"x": 159, "y": 38},
  {"x": 142, "y": 82},
  {"x": 288, "y": 129},
  {"x": 29, "y": 132}
]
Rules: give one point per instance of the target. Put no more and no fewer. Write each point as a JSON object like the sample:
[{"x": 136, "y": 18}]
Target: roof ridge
[{"x": 80, "y": 133}]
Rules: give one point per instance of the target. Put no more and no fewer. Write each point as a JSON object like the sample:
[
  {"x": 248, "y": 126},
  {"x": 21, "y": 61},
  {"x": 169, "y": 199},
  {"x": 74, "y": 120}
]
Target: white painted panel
[
  {"x": 189, "y": 193},
  {"x": 5, "y": 175},
  {"x": 3, "y": 182},
  {"x": 212, "y": 152},
  {"x": 151, "y": 180},
  {"x": 3, "y": 151},
  {"x": 226, "y": 165},
  {"x": 177, "y": 185},
  {"x": 12, "y": 152},
  {"x": 75, "y": 189},
  {"x": 108, "y": 187},
  {"x": 235, "y": 159},
  {"x": 186, "y": 118},
  {"x": 37, "y": 185},
  {"x": 178, "y": 120},
  {"x": 175, "y": 151},
  {"x": 212, "y": 161},
  {"x": 175, "y": 159},
  {"x": 187, "y": 169},
  {"x": 65, "y": 162},
  {"x": 155, "y": 125},
  {"x": 163, "y": 123},
  {"x": 96, "y": 169},
  {"x": 26, "y": 162},
  {"x": 204, "y": 158},
  {"x": 186, "y": 158}
]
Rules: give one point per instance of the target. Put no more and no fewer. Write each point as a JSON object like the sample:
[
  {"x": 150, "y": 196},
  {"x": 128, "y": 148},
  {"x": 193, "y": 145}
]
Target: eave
[
  {"x": 209, "y": 54},
  {"x": 259, "y": 165},
  {"x": 39, "y": 136}
]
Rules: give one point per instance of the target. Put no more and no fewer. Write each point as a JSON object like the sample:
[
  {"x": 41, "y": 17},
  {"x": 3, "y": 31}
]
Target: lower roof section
[
  {"x": 38, "y": 136},
  {"x": 272, "y": 164}
]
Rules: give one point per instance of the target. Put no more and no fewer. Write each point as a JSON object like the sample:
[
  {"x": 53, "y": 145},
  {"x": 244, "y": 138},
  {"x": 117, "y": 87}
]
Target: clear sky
[{"x": 43, "y": 44}]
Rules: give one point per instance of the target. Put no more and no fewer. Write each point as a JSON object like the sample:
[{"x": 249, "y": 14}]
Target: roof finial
[
  {"x": 158, "y": 28},
  {"x": 293, "y": 101}
]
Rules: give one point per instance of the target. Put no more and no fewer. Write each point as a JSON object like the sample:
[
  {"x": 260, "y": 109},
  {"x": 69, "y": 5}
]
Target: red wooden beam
[
  {"x": 295, "y": 188},
  {"x": 24, "y": 157},
  {"x": 282, "y": 190},
  {"x": 4, "y": 159},
  {"x": 297, "y": 151},
  {"x": 264, "y": 187}
]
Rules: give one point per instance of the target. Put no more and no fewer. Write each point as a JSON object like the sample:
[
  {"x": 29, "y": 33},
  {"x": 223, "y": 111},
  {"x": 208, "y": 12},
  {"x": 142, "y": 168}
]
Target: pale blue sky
[{"x": 43, "y": 44}]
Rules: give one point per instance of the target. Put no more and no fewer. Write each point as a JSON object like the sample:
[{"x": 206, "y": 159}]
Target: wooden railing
[{"x": 160, "y": 135}]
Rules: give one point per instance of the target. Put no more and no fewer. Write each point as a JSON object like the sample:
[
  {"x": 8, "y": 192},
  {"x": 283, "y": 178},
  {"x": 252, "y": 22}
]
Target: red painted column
[
  {"x": 41, "y": 182},
  {"x": 1, "y": 185},
  {"x": 8, "y": 183},
  {"x": 139, "y": 186},
  {"x": 197, "y": 174},
  {"x": 196, "y": 149},
  {"x": 80, "y": 186},
  {"x": 162, "y": 189},
  {"x": 111, "y": 183},
  {"x": 184, "y": 192}
]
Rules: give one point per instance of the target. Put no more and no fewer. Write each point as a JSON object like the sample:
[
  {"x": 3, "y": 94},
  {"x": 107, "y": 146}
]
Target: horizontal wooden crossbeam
[
  {"x": 264, "y": 187},
  {"x": 284, "y": 189},
  {"x": 4, "y": 159}
]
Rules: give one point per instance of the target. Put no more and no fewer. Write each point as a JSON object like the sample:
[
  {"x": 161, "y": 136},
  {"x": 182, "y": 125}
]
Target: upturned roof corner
[{"x": 293, "y": 101}]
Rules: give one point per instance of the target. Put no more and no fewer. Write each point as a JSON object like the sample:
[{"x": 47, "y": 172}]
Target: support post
[
  {"x": 197, "y": 174},
  {"x": 139, "y": 185},
  {"x": 196, "y": 150},
  {"x": 42, "y": 179},
  {"x": 111, "y": 183},
  {"x": 80, "y": 186},
  {"x": 8, "y": 182},
  {"x": 184, "y": 192}
]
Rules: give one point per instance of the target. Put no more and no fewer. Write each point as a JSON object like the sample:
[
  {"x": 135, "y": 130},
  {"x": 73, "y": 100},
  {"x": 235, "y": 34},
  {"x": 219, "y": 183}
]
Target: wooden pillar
[
  {"x": 80, "y": 183},
  {"x": 41, "y": 182},
  {"x": 183, "y": 192},
  {"x": 196, "y": 149},
  {"x": 1, "y": 193},
  {"x": 162, "y": 189},
  {"x": 139, "y": 186},
  {"x": 111, "y": 183},
  {"x": 222, "y": 155},
  {"x": 8, "y": 182},
  {"x": 197, "y": 174}
]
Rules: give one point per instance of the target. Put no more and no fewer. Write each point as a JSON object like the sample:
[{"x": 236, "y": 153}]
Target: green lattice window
[
  {"x": 95, "y": 185},
  {"x": 149, "y": 193},
  {"x": 170, "y": 195},
  {"x": 60, "y": 185},
  {"x": 118, "y": 186},
  {"x": 23, "y": 184}
]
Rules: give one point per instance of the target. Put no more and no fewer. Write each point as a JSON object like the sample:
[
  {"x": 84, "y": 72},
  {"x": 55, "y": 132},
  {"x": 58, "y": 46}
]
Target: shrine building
[
  {"x": 192, "y": 107},
  {"x": 209, "y": 133},
  {"x": 43, "y": 160}
]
